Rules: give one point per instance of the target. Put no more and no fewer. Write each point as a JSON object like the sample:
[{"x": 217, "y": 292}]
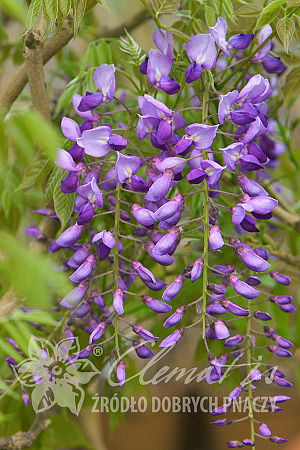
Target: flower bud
[
  {"x": 156, "y": 305},
  {"x": 172, "y": 339},
  {"x": 121, "y": 373},
  {"x": 118, "y": 301},
  {"x": 173, "y": 289}
]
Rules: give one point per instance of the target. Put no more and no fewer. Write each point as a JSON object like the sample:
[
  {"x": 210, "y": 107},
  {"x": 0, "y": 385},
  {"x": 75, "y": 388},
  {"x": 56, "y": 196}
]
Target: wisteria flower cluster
[{"x": 134, "y": 212}]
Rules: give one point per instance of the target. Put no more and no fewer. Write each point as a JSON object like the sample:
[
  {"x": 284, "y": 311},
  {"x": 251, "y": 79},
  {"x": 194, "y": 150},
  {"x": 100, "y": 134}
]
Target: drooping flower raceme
[{"x": 169, "y": 182}]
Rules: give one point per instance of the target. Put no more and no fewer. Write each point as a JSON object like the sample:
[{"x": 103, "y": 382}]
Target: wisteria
[{"x": 134, "y": 214}]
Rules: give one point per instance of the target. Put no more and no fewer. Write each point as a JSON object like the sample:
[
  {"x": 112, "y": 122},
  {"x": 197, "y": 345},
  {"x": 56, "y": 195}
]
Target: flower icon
[{"x": 54, "y": 375}]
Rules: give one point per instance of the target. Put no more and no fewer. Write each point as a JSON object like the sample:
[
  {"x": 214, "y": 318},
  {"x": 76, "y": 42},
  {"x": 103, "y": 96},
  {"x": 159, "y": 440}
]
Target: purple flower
[
  {"x": 235, "y": 444},
  {"x": 196, "y": 176},
  {"x": 164, "y": 260},
  {"x": 273, "y": 64},
  {"x": 142, "y": 350},
  {"x": 173, "y": 289},
  {"x": 279, "y": 351},
  {"x": 235, "y": 393},
  {"x": 278, "y": 440},
  {"x": 65, "y": 161},
  {"x": 82, "y": 310},
  {"x": 96, "y": 141},
  {"x": 70, "y": 236},
  {"x": 252, "y": 260},
  {"x": 172, "y": 339},
  {"x": 104, "y": 78},
  {"x": 221, "y": 330},
  {"x": 118, "y": 301},
  {"x": 225, "y": 103},
  {"x": 215, "y": 238},
  {"x": 143, "y": 216},
  {"x": 202, "y": 135},
  {"x": 235, "y": 309},
  {"x": 176, "y": 317},
  {"x": 240, "y": 41},
  {"x": 234, "y": 340},
  {"x": 164, "y": 42},
  {"x": 196, "y": 269},
  {"x": 84, "y": 270},
  {"x": 143, "y": 272},
  {"x": 158, "y": 69},
  {"x": 121, "y": 373},
  {"x": 79, "y": 256},
  {"x": 170, "y": 208},
  {"x": 250, "y": 187},
  {"x": 91, "y": 192},
  {"x": 213, "y": 171},
  {"x": 97, "y": 332},
  {"x": 36, "y": 233},
  {"x": 126, "y": 166},
  {"x": 218, "y": 33},
  {"x": 256, "y": 90},
  {"x": 107, "y": 243},
  {"x": 263, "y": 35},
  {"x": 242, "y": 288},
  {"x": 264, "y": 430},
  {"x": 70, "y": 129},
  {"x": 160, "y": 187},
  {"x": 144, "y": 334},
  {"x": 166, "y": 243},
  {"x": 261, "y": 315},
  {"x": 156, "y": 305},
  {"x": 280, "y": 278},
  {"x": 255, "y": 375},
  {"x": 74, "y": 297},
  {"x": 202, "y": 53},
  {"x": 222, "y": 422},
  {"x": 76, "y": 100}
]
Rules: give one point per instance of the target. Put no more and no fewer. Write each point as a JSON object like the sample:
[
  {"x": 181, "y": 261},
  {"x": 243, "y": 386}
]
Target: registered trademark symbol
[{"x": 97, "y": 351}]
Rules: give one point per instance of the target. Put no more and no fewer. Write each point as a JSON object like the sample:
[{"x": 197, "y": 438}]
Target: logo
[{"x": 54, "y": 375}]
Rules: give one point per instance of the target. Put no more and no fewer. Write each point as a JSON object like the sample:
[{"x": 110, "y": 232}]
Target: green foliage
[
  {"x": 14, "y": 8},
  {"x": 131, "y": 48},
  {"x": 31, "y": 275},
  {"x": 292, "y": 84},
  {"x": 165, "y": 6},
  {"x": 55, "y": 12},
  {"x": 63, "y": 204},
  {"x": 286, "y": 30},
  {"x": 269, "y": 13}
]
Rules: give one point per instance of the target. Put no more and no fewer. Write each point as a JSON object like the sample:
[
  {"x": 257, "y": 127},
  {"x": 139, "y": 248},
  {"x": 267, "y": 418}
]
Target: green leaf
[
  {"x": 286, "y": 30},
  {"x": 30, "y": 274},
  {"x": 63, "y": 204},
  {"x": 165, "y": 6},
  {"x": 292, "y": 84},
  {"x": 35, "y": 173},
  {"x": 79, "y": 7},
  {"x": 50, "y": 8},
  {"x": 64, "y": 7},
  {"x": 248, "y": 11},
  {"x": 210, "y": 16},
  {"x": 269, "y": 13},
  {"x": 33, "y": 12},
  {"x": 55, "y": 177},
  {"x": 178, "y": 33},
  {"x": 15, "y": 9}
]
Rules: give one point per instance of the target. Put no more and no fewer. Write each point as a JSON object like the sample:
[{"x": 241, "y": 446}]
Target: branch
[
  {"x": 33, "y": 47},
  {"x": 25, "y": 439},
  {"x": 53, "y": 45}
]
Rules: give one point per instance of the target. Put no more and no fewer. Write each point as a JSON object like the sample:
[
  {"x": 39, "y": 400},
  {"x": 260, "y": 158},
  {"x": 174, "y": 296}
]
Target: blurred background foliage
[{"x": 28, "y": 144}]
